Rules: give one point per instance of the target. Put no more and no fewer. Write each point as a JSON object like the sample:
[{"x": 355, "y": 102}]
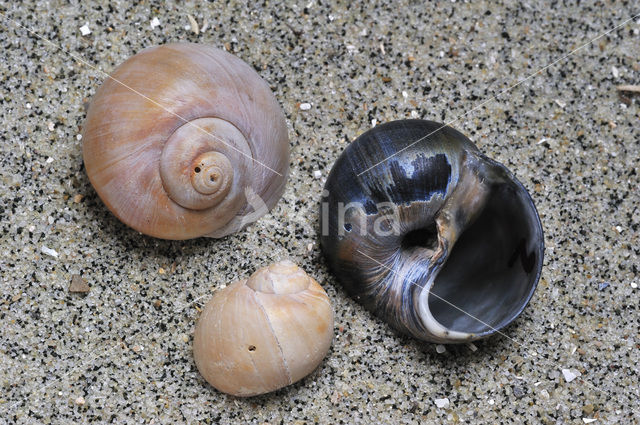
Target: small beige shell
[{"x": 264, "y": 333}]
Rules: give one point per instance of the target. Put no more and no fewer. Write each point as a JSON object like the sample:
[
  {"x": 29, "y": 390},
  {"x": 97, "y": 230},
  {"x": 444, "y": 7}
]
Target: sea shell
[
  {"x": 438, "y": 240},
  {"x": 265, "y": 332},
  {"x": 185, "y": 140}
]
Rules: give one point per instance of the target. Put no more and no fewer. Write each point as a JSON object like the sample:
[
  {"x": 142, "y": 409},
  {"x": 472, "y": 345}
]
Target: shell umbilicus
[
  {"x": 265, "y": 332},
  {"x": 186, "y": 140},
  {"x": 420, "y": 227}
]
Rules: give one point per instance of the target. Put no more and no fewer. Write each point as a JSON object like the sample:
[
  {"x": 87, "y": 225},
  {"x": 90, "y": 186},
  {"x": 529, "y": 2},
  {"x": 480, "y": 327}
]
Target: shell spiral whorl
[
  {"x": 176, "y": 137},
  {"x": 440, "y": 241}
]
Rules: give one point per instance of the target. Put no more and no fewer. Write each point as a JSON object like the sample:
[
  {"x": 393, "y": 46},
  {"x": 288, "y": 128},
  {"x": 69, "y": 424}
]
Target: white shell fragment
[
  {"x": 441, "y": 403},
  {"x": 48, "y": 251},
  {"x": 84, "y": 30},
  {"x": 570, "y": 374}
]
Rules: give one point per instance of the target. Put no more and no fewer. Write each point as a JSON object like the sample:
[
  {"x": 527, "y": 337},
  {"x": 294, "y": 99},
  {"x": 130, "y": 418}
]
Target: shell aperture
[{"x": 440, "y": 241}]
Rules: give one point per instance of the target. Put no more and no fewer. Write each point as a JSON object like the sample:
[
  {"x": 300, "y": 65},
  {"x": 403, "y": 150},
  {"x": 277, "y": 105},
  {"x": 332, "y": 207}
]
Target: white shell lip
[{"x": 435, "y": 328}]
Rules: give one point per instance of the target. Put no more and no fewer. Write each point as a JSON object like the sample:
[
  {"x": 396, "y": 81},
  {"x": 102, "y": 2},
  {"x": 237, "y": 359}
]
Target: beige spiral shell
[
  {"x": 265, "y": 332},
  {"x": 185, "y": 140}
]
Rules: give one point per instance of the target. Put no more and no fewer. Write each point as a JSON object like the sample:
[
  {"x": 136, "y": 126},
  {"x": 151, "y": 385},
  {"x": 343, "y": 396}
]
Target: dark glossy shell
[{"x": 438, "y": 240}]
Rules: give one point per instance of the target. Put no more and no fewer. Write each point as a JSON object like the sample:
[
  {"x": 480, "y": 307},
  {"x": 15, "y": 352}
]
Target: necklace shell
[{"x": 432, "y": 236}]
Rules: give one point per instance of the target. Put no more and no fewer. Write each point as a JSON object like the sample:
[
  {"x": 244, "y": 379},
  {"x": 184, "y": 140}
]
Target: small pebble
[
  {"x": 518, "y": 392},
  {"x": 560, "y": 103},
  {"x": 588, "y": 409},
  {"x": 78, "y": 284},
  {"x": 77, "y": 198},
  {"x": 602, "y": 286},
  {"x": 80, "y": 401},
  {"x": 84, "y": 30},
  {"x": 374, "y": 122},
  {"x": 155, "y": 22},
  {"x": 570, "y": 374},
  {"x": 615, "y": 72},
  {"x": 305, "y": 106},
  {"x": 51, "y": 126},
  {"x": 440, "y": 349},
  {"x": 472, "y": 346},
  {"x": 317, "y": 174},
  {"x": 48, "y": 251},
  {"x": 79, "y": 137},
  {"x": 442, "y": 403},
  {"x": 588, "y": 420},
  {"x": 49, "y": 160},
  {"x": 634, "y": 285},
  {"x": 545, "y": 394}
]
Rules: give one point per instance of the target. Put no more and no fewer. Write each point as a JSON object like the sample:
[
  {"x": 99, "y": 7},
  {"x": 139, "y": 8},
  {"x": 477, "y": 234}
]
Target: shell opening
[
  {"x": 424, "y": 237},
  {"x": 492, "y": 270}
]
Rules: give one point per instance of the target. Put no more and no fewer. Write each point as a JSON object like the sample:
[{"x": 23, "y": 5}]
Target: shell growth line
[
  {"x": 84, "y": 62},
  {"x": 492, "y": 98}
]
